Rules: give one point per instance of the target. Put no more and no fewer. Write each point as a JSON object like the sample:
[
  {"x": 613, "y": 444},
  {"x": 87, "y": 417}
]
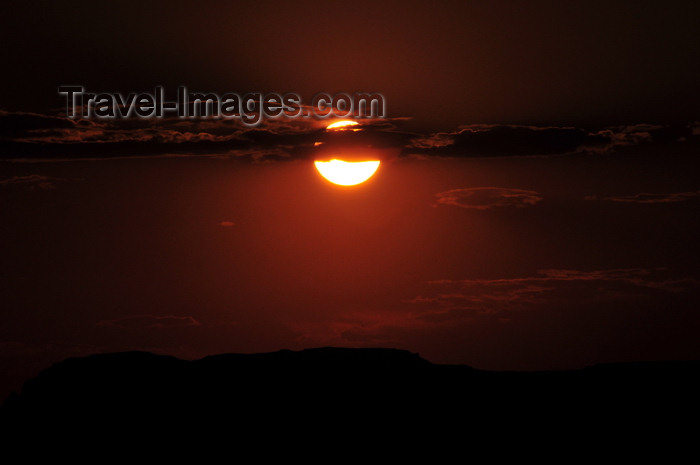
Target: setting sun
[{"x": 346, "y": 173}]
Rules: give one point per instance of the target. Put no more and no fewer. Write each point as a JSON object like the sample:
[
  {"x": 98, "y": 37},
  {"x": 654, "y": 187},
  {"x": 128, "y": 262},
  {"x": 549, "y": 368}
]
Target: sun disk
[{"x": 345, "y": 173}]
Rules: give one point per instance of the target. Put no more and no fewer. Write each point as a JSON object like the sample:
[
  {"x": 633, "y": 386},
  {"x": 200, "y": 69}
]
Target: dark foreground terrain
[{"x": 352, "y": 393}]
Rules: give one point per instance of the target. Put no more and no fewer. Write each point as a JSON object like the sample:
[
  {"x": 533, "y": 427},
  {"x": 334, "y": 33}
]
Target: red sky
[
  {"x": 500, "y": 263},
  {"x": 540, "y": 212}
]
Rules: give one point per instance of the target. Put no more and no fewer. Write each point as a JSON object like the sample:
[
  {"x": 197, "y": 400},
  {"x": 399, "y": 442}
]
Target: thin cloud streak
[
  {"x": 489, "y": 140},
  {"x": 484, "y": 198},
  {"x": 648, "y": 198},
  {"x": 458, "y": 299},
  {"x": 32, "y": 181}
]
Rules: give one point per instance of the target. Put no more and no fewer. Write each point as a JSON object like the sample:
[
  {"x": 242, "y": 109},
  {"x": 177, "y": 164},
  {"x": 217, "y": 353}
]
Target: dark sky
[
  {"x": 537, "y": 206},
  {"x": 444, "y": 64}
]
